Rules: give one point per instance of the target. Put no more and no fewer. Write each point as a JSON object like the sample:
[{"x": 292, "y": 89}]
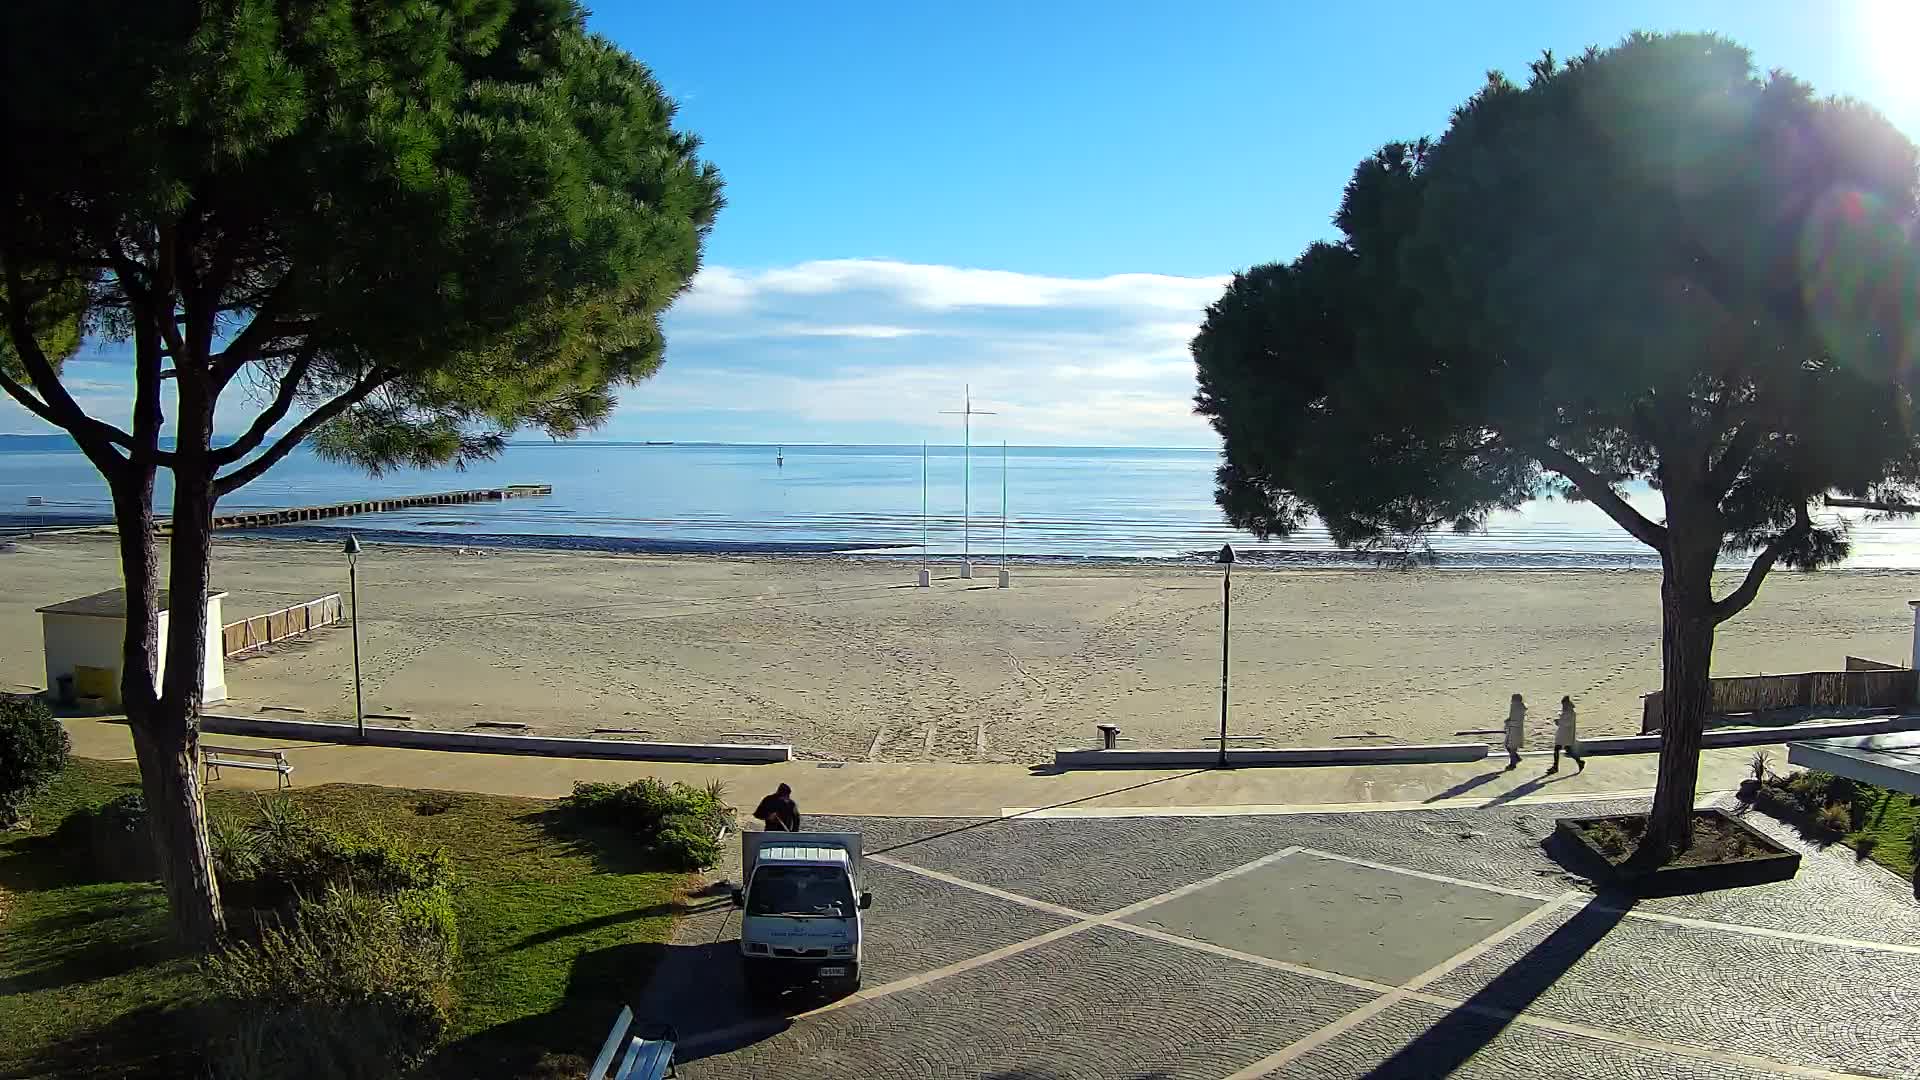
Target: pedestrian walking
[
  {"x": 779, "y": 811},
  {"x": 1566, "y": 737},
  {"x": 1516, "y": 731}
]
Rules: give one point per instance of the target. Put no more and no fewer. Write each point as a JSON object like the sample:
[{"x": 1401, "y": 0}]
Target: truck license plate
[{"x": 833, "y": 971}]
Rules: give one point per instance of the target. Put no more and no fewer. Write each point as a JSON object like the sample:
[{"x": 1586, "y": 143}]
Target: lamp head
[
  {"x": 1226, "y": 555},
  {"x": 352, "y": 546}
]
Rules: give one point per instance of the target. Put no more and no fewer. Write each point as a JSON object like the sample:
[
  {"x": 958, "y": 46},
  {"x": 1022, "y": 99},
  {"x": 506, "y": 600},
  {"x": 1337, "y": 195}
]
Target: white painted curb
[
  {"x": 1269, "y": 756},
  {"x": 490, "y": 743}
]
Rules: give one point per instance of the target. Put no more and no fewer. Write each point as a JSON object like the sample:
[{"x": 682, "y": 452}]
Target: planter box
[{"x": 1776, "y": 863}]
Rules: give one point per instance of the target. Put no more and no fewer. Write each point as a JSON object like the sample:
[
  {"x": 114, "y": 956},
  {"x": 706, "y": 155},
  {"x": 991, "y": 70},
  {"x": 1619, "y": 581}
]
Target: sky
[{"x": 1039, "y": 200}]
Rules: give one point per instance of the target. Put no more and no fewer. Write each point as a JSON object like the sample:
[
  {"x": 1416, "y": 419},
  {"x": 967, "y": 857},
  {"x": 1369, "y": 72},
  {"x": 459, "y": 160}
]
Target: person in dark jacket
[{"x": 779, "y": 811}]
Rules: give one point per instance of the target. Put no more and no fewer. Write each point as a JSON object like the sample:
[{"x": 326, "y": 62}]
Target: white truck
[{"x": 800, "y": 899}]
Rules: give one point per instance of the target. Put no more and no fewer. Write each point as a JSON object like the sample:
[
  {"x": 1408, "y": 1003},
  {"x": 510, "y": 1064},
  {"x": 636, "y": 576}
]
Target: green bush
[
  {"x": 33, "y": 750},
  {"x": 1812, "y": 788},
  {"x": 1612, "y": 841},
  {"x": 1836, "y": 818},
  {"x": 355, "y": 986},
  {"x": 676, "y": 823},
  {"x": 113, "y": 838},
  {"x": 284, "y": 854}
]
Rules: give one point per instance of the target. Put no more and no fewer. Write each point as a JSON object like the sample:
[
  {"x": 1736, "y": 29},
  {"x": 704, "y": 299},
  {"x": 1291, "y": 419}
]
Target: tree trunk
[
  {"x": 169, "y": 742},
  {"x": 169, "y": 755},
  {"x": 1686, "y": 696}
]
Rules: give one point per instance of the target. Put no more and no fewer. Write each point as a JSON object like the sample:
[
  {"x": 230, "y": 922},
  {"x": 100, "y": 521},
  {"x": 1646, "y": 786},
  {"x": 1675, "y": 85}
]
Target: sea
[{"x": 1026, "y": 503}]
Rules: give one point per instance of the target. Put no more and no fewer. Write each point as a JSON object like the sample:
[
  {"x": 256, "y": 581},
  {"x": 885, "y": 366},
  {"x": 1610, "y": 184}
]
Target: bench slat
[{"x": 647, "y": 1059}]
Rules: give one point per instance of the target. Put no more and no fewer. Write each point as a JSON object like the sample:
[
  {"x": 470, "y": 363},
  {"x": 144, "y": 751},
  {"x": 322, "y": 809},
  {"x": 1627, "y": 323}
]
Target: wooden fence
[
  {"x": 262, "y": 630},
  {"x": 1759, "y": 693}
]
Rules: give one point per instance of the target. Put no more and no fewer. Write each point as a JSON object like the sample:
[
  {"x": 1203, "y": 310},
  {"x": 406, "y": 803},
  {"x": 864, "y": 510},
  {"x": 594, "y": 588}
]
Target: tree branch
[
  {"x": 275, "y": 412},
  {"x": 1721, "y": 474},
  {"x": 251, "y": 471},
  {"x": 25, "y": 397},
  {"x": 1600, "y": 493},
  {"x": 94, "y": 436},
  {"x": 245, "y": 348},
  {"x": 1736, "y": 601}
]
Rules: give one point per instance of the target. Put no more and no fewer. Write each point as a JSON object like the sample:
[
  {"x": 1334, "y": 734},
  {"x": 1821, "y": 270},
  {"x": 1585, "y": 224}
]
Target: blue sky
[{"x": 1040, "y": 199}]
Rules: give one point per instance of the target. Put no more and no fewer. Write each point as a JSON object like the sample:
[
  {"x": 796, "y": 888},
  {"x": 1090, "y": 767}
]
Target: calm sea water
[{"x": 1066, "y": 502}]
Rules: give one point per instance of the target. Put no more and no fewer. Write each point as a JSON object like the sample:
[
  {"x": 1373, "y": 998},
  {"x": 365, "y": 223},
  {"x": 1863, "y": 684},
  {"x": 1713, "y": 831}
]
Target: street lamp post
[
  {"x": 1225, "y": 558},
  {"x": 352, "y": 548}
]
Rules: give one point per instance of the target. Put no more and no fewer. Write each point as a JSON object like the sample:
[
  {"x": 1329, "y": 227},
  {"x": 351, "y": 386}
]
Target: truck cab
[{"x": 801, "y": 904}]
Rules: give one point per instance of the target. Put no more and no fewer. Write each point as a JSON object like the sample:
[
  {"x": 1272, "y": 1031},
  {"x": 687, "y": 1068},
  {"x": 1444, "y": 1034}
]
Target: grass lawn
[
  {"x": 558, "y": 928},
  {"x": 1887, "y": 820}
]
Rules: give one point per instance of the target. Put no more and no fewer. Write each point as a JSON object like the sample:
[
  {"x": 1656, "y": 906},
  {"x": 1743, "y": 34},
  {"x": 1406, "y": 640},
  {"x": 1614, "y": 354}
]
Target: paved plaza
[{"x": 1385, "y": 944}]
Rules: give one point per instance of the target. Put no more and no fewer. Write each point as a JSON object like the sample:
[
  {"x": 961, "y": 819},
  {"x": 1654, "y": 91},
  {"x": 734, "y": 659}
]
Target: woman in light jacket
[
  {"x": 1566, "y": 738},
  {"x": 1516, "y": 731}
]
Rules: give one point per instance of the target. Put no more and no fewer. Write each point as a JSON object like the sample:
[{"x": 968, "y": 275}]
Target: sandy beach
[{"x": 848, "y": 661}]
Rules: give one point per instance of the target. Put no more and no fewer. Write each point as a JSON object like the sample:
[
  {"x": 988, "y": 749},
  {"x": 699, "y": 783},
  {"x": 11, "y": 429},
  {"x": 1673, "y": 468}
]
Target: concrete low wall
[
  {"x": 1650, "y": 744},
  {"x": 1269, "y": 756},
  {"x": 489, "y": 743}
]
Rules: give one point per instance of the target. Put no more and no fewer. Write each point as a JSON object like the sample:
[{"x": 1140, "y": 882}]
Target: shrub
[
  {"x": 1612, "y": 841},
  {"x": 1761, "y": 759},
  {"x": 1811, "y": 788},
  {"x": 356, "y": 985},
  {"x": 284, "y": 854},
  {"x": 113, "y": 835},
  {"x": 33, "y": 750},
  {"x": 1836, "y": 818},
  {"x": 676, "y": 823}
]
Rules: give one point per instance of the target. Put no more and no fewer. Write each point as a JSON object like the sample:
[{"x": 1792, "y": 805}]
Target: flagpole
[
  {"x": 1006, "y": 579},
  {"x": 926, "y": 571},
  {"x": 966, "y": 413}
]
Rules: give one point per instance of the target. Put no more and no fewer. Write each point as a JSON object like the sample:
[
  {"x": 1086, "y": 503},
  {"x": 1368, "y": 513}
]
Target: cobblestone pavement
[{"x": 1405, "y": 944}]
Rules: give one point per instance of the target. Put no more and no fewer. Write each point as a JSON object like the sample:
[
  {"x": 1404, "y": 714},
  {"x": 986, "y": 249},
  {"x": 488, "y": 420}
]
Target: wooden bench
[
  {"x": 215, "y": 758},
  {"x": 645, "y": 1058}
]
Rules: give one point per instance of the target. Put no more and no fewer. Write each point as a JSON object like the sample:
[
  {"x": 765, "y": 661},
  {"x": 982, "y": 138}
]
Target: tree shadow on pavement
[
  {"x": 1038, "y": 809},
  {"x": 1456, "y": 1037}
]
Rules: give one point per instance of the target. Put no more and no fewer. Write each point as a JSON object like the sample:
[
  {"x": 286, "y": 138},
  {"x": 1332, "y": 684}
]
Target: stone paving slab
[
  {"x": 1098, "y": 864},
  {"x": 917, "y": 924},
  {"x": 1817, "y": 1005},
  {"x": 1835, "y": 894},
  {"x": 1098, "y": 1005},
  {"x": 1340, "y": 917},
  {"x": 1416, "y": 1041}
]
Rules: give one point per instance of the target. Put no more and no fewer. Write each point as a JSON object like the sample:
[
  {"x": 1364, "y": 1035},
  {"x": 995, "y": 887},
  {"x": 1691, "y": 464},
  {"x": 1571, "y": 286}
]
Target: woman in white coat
[
  {"x": 1565, "y": 737},
  {"x": 1516, "y": 731}
]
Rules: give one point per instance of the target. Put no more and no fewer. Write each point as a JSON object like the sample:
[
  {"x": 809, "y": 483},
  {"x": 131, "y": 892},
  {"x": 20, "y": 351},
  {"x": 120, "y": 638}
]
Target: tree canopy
[
  {"x": 1648, "y": 264},
  {"x": 400, "y": 229},
  {"x": 408, "y": 228}
]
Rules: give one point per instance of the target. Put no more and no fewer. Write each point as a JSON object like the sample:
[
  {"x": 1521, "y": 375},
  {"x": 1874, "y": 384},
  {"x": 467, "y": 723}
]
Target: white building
[{"x": 84, "y": 639}]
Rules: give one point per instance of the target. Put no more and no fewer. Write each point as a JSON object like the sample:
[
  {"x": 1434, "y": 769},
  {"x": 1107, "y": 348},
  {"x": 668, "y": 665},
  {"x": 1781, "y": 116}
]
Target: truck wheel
[{"x": 852, "y": 983}]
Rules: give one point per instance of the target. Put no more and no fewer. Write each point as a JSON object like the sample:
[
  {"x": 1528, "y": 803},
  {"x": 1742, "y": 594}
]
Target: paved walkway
[
  {"x": 1314, "y": 945},
  {"x": 936, "y": 790}
]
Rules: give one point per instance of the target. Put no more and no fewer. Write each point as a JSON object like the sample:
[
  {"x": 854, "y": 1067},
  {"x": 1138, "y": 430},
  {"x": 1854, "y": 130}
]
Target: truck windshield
[{"x": 803, "y": 891}]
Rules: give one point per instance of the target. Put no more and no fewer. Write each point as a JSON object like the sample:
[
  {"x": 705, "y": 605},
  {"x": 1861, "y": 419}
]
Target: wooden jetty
[
  {"x": 1873, "y": 504},
  {"x": 294, "y": 515}
]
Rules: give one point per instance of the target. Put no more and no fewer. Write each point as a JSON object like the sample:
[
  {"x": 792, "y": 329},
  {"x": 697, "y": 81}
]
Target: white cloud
[
  {"x": 940, "y": 288},
  {"x": 874, "y": 349},
  {"x": 879, "y": 348}
]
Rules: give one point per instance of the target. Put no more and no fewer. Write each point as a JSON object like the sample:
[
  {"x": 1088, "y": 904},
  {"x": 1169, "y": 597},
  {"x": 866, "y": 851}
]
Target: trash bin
[{"x": 63, "y": 690}]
